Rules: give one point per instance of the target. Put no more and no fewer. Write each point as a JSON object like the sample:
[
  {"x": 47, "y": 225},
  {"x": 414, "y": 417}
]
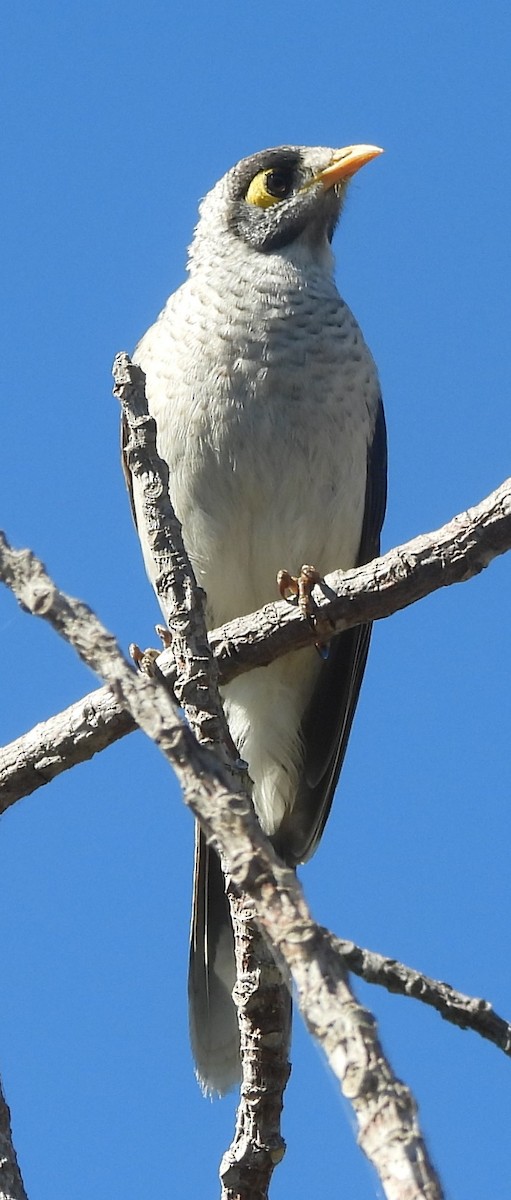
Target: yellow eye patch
[
  {"x": 258, "y": 191},
  {"x": 270, "y": 186}
]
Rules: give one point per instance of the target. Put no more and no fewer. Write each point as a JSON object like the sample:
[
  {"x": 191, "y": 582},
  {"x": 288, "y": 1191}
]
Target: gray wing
[{"x": 327, "y": 722}]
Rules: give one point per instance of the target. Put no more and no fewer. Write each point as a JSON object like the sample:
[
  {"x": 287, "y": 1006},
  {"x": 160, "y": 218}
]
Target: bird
[{"x": 269, "y": 415}]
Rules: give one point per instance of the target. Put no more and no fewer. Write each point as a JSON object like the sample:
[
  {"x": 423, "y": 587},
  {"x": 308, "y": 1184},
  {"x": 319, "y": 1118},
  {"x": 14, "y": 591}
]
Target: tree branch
[
  {"x": 72, "y": 736},
  {"x": 263, "y": 1000},
  {"x": 467, "y": 1012},
  {"x": 452, "y": 554},
  {"x": 262, "y": 996}
]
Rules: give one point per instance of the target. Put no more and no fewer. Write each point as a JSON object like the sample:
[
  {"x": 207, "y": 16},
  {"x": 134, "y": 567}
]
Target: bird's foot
[
  {"x": 301, "y": 586},
  {"x": 145, "y": 659},
  {"x": 164, "y": 635}
]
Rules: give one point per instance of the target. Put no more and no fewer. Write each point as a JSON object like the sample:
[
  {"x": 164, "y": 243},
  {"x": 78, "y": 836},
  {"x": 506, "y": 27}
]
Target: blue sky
[{"x": 116, "y": 119}]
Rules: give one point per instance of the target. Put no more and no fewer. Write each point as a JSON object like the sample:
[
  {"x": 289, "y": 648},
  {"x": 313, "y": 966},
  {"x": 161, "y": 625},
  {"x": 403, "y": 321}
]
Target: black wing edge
[
  {"x": 327, "y": 722},
  {"x": 213, "y": 1021}
]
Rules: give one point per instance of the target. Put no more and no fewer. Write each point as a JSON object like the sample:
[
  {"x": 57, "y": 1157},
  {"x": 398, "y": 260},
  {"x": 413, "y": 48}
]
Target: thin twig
[{"x": 467, "y": 1012}]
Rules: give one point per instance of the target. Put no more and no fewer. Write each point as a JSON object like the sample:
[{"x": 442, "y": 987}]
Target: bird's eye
[
  {"x": 278, "y": 183},
  {"x": 268, "y": 187}
]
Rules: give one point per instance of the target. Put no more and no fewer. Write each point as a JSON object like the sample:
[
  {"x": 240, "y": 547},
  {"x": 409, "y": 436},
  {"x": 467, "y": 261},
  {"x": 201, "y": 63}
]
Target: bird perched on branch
[{"x": 268, "y": 412}]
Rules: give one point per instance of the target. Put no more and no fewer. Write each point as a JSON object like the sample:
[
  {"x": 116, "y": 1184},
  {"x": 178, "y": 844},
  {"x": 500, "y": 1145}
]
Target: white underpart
[{"x": 265, "y": 395}]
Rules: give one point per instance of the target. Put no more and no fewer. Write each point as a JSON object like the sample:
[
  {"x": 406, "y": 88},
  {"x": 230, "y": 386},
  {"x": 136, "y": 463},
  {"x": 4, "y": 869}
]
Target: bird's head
[{"x": 278, "y": 197}]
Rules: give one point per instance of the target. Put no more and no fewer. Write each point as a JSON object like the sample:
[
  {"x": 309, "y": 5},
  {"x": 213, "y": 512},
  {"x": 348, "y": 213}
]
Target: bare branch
[
  {"x": 467, "y": 1012},
  {"x": 452, "y": 554},
  {"x": 386, "y": 1113},
  {"x": 73, "y": 736},
  {"x": 264, "y": 1010}
]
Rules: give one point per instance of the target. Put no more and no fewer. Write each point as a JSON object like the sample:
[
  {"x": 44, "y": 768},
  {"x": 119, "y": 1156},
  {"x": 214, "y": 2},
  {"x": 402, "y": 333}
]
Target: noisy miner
[{"x": 268, "y": 413}]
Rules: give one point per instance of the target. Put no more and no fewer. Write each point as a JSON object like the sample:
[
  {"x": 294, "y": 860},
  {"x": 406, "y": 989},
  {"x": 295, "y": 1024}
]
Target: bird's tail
[{"x": 214, "y": 1032}]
